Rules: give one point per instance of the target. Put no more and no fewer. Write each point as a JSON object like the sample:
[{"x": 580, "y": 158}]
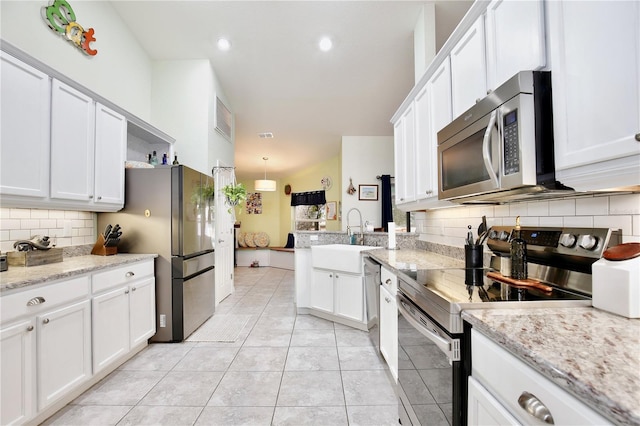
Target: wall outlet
[{"x": 163, "y": 320}]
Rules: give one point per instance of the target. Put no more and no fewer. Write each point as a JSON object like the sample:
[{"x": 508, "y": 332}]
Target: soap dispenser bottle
[{"x": 518, "y": 254}]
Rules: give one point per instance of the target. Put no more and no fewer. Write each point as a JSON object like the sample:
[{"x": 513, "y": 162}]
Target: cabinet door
[
  {"x": 64, "y": 351},
  {"x": 110, "y": 324},
  {"x": 25, "y": 108},
  {"x": 142, "y": 310},
  {"x": 484, "y": 409},
  {"x": 468, "y": 69},
  {"x": 110, "y": 152},
  {"x": 72, "y": 143},
  {"x": 349, "y": 290},
  {"x": 389, "y": 330},
  {"x": 321, "y": 294},
  {"x": 17, "y": 372},
  {"x": 405, "y": 161},
  {"x": 423, "y": 158},
  {"x": 515, "y": 39},
  {"x": 596, "y": 90}
]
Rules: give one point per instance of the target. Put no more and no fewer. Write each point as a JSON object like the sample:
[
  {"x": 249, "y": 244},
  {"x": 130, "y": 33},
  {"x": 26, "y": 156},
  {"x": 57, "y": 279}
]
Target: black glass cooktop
[{"x": 450, "y": 284}]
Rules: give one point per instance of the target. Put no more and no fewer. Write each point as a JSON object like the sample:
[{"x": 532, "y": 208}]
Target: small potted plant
[{"x": 235, "y": 193}]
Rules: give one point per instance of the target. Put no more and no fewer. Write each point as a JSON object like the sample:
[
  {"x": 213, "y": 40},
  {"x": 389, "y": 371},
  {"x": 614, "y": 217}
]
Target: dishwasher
[{"x": 372, "y": 298}]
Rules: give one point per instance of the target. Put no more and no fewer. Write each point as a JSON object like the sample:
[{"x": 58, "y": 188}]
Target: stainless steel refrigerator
[{"x": 169, "y": 211}]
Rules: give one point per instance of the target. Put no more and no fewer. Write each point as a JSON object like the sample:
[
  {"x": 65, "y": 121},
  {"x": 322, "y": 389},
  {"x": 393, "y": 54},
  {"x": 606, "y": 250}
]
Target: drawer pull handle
[
  {"x": 388, "y": 281},
  {"x": 535, "y": 407},
  {"x": 30, "y": 328},
  {"x": 129, "y": 274},
  {"x": 36, "y": 301},
  {"x": 45, "y": 321}
]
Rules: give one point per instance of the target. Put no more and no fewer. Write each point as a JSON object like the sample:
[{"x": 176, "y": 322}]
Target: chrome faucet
[{"x": 359, "y": 239}]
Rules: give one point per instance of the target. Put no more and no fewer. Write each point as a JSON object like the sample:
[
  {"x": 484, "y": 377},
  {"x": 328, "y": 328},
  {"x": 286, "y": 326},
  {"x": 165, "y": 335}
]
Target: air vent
[
  {"x": 266, "y": 135},
  {"x": 224, "y": 119}
]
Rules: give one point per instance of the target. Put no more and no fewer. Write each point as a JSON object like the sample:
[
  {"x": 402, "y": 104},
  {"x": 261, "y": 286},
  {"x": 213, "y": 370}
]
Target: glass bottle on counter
[
  {"x": 175, "y": 159},
  {"x": 518, "y": 254},
  {"x": 154, "y": 159}
]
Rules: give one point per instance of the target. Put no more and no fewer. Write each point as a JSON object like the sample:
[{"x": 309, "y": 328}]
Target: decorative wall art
[
  {"x": 331, "y": 210},
  {"x": 61, "y": 18},
  {"x": 368, "y": 192},
  {"x": 254, "y": 203}
]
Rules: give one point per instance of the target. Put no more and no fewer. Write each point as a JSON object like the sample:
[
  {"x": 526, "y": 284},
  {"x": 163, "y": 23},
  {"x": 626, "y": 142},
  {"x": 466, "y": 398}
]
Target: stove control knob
[
  {"x": 568, "y": 240},
  {"x": 503, "y": 236},
  {"x": 588, "y": 242},
  {"x": 493, "y": 234}
]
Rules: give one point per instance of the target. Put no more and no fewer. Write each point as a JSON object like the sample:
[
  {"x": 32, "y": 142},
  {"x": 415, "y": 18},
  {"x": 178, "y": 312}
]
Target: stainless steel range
[{"x": 433, "y": 351}]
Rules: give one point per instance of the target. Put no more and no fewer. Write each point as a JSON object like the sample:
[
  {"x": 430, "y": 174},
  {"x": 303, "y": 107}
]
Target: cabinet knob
[
  {"x": 129, "y": 274},
  {"x": 36, "y": 301},
  {"x": 388, "y": 281},
  {"x": 337, "y": 276},
  {"x": 30, "y": 328},
  {"x": 133, "y": 289},
  {"x": 535, "y": 407},
  {"x": 638, "y": 137},
  {"x": 387, "y": 299},
  {"x": 45, "y": 321},
  {"x": 99, "y": 197},
  {"x": 126, "y": 292},
  {"x": 90, "y": 197}
]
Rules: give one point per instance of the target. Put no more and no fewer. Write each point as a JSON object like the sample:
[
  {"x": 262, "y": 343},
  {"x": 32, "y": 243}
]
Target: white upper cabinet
[
  {"x": 405, "y": 156},
  {"x": 595, "y": 58},
  {"x": 110, "y": 154},
  {"x": 514, "y": 38},
  {"x": 25, "y": 108},
  {"x": 468, "y": 69},
  {"x": 72, "y": 147}
]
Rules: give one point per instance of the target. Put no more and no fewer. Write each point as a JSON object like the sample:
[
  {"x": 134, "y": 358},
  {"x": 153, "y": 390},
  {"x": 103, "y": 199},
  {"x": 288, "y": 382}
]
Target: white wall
[
  {"x": 364, "y": 158},
  {"x": 121, "y": 70},
  {"x": 449, "y": 226},
  {"x": 424, "y": 40}
]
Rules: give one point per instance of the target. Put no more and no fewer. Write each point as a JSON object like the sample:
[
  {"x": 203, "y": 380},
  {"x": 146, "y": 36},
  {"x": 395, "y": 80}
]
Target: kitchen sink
[{"x": 339, "y": 257}]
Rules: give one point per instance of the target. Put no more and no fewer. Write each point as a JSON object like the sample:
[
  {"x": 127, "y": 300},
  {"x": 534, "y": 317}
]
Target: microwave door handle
[{"x": 486, "y": 155}]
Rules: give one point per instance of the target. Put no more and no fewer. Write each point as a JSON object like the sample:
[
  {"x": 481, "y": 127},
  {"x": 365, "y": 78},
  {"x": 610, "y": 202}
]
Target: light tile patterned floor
[{"x": 283, "y": 370}]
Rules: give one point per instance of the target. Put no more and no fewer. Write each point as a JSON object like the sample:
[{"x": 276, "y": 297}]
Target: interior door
[{"x": 224, "y": 239}]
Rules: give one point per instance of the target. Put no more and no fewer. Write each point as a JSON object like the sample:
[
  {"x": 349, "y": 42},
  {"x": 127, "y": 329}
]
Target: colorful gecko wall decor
[{"x": 61, "y": 18}]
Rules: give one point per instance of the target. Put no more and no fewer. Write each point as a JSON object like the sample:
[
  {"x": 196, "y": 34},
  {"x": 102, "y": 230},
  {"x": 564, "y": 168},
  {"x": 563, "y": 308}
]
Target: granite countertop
[
  {"x": 18, "y": 277},
  {"x": 413, "y": 259},
  {"x": 590, "y": 353}
]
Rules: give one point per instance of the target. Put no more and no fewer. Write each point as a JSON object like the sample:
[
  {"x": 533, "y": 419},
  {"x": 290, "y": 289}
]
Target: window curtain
[
  {"x": 311, "y": 198},
  {"x": 387, "y": 209}
]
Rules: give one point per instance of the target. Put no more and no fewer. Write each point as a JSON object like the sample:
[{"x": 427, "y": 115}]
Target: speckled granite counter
[
  {"x": 588, "y": 352},
  {"x": 413, "y": 259},
  {"x": 17, "y": 277}
]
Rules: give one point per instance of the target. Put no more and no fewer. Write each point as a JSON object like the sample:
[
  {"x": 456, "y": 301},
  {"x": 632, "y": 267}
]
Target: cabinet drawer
[
  {"x": 508, "y": 378},
  {"x": 389, "y": 281},
  {"x": 121, "y": 275},
  {"x": 34, "y": 301}
]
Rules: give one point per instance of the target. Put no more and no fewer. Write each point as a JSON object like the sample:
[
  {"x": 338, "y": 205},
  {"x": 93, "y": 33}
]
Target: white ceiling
[{"x": 277, "y": 80}]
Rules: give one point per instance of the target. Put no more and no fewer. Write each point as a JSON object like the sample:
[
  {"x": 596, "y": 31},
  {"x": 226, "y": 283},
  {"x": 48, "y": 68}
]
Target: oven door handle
[
  {"x": 486, "y": 155},
  {"x": 451, "y": 348}
]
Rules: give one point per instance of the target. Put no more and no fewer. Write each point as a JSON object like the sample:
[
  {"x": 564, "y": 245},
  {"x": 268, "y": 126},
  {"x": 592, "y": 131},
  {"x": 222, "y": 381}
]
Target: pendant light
[{"x": 265, "y": 184}]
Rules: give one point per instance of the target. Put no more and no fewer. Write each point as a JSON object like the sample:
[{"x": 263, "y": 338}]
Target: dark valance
[{"x": 311, "y": 198}]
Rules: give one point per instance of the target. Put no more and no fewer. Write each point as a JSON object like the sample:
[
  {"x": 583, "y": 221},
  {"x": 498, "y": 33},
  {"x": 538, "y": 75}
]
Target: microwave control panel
[{"x": 510, "y": 142}]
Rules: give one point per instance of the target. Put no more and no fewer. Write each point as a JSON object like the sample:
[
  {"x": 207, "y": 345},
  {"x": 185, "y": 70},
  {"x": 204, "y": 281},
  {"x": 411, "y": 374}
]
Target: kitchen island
[{"x": 590, "y": 353}]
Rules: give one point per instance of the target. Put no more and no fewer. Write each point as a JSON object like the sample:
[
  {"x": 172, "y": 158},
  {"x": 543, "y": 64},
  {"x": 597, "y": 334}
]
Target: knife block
[{"x": 100, "y": 250}]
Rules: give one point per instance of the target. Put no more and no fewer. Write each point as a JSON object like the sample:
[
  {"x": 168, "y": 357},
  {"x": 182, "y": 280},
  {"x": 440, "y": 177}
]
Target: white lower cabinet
[
  {"x": 340, "y": 295},
  {"x": 56, "y": 337},
  {"x": 64, "y": 350},
  {"x": 505, "y": 390},
  {"x": 123, "y": 311},
  {"x": 17, "y": 372}
]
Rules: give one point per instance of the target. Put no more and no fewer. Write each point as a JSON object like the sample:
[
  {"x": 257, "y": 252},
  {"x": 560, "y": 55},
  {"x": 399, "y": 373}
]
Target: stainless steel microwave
[{"x": 501, "y": 149}]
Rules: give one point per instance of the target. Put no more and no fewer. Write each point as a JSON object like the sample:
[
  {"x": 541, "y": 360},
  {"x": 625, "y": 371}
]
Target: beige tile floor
[{"x": 284, "y": 369}]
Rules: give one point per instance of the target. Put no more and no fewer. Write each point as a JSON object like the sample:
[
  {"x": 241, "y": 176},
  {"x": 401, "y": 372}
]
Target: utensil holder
[{"x": 473, "y": 263}]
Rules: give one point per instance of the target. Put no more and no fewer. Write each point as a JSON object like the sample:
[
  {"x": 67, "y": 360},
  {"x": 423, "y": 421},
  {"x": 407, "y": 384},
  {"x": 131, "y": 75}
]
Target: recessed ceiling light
[
  {"x": 325, "y": 44},
  {"x": 224, "y": 44}
]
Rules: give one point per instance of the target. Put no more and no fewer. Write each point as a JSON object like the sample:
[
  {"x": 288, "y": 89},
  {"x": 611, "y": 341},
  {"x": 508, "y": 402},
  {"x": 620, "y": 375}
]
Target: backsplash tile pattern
[
  {"x": 17, "y": 224},
  {"x": 449, "y": 226}
]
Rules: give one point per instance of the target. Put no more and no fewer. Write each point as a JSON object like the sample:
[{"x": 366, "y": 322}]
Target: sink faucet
[{"x": 359, "y": 239}]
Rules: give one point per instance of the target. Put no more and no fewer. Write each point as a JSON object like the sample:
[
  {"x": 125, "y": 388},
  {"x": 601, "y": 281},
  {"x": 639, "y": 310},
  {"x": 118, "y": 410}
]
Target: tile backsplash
[
  {"x": 449, "y": 226},
  {"x": 66, "y": 228}
]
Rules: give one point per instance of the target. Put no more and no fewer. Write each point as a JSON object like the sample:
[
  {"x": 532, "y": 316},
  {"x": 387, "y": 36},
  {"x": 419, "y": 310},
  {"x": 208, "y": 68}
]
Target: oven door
[{"x": 431, "y": 381}]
